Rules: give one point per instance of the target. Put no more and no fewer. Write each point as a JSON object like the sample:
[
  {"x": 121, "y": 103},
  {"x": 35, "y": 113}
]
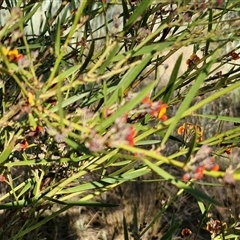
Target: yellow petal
[
  {"x": 181, "y": 130},
  {"x": 12, "y": 54},
  {"x": 30, "y": 98},
  {"x": 162, "y": 111}
]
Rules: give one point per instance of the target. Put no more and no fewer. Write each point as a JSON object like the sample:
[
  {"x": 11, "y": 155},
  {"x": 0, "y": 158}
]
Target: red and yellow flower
[
  {"x": 187, "y": 130},
  {"x": 156, "y": 109},
  {"x": 12, "y": 54},
  {"x": 193, "y": 60}
]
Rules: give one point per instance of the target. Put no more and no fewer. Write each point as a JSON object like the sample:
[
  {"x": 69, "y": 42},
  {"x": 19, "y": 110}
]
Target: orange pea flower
[
  {"x": 12, "y": 55},
  {"x": 193, "y": 60}
]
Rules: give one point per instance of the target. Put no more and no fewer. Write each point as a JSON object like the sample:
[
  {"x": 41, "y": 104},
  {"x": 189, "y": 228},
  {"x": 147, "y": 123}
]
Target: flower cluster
[
  {"x": 12, "y": 54},
  {"x": 142, "y": 33},
  {"x": 229, "y": 179},
  {"x": 95, "y": 142},
  {"x": 215, "y": 227},
  {"x": 122, "y": 132},
  {"x": 187, "y": 130},
  {"x": 23, "y": 145},
  {"x": 197, "y": 165},
  {"x": 119, "y": 133},
  {"x": 193, "y": 61},
  {"x": 155, "y": 108},
  {"x": 186, "y": 233}
]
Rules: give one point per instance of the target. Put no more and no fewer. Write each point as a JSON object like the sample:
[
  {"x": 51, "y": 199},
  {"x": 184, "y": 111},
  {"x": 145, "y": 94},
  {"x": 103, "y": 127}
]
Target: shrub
[{"x": 82, "y": 115}]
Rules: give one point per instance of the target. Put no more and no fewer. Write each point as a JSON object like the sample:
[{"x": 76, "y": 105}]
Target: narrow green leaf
[
  {"x": 152, "y": 48},
  {"x": 25, "y": 188},
  {"x": 65, "y": 74},
  {"x": 80, "y": 203},
  {"x": 129, "y": 78},
  {"x": 89, "y": 56},
  {"x": 141, "y": 8},
  {"x": 7, "y": 151},
  {"x": 125, "y": 12},
  {"x": 14, "y": 204},
  {"x": 92, "y": 185},
  {"x": 90, "y": 204},
  {"x": 147, "y": 142},
  {"x": 73, "y": 144},
  {"x": 61, "y": 112},
  {"x": 69, "y": 101},
  {"x": 32, "y": 121},
  {"x": 210, "y": 22},
  {"x": 106, "y": 63},
  {"x": 133, "y": 174},
  {"x": 171, "y": 84},
  {"x": 58, "y": 39},
  {"x": 64, "y": 15},
  {"x": 230, "y": 236},
  {"x": 29, "y": 13}
]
